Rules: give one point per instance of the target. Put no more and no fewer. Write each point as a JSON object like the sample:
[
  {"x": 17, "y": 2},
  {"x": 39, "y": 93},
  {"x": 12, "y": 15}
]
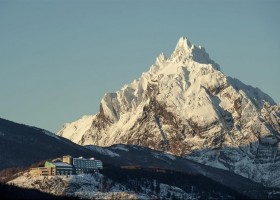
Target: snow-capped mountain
[{"x": 186, "y": 106}]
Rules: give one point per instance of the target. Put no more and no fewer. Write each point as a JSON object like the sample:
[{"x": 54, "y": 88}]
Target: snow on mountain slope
[
  {"x": 83, "y": 186},
  {"x": 98, "y": 186},
  {"x": 136, "y": 183},
  {"x": 134, "y": 167},
  {"x": 186, "y": 106}
]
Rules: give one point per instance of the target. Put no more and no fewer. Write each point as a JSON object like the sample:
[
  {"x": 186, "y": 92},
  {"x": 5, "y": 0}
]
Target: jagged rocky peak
[
  {"x": 184, "y": 45},
  {"x": 186, "y": 106},
  {"x": 161, "y": 59},
  {"x": 185, "y": 51},
  {"x": 186, "y": 58}
]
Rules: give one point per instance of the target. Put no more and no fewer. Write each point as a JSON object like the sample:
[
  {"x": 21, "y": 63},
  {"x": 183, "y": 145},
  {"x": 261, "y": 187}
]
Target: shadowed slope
[{"x": 22, "y": 145}]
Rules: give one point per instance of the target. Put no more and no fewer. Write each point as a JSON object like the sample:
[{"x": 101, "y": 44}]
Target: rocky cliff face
[{"x": 186, "y": 106}]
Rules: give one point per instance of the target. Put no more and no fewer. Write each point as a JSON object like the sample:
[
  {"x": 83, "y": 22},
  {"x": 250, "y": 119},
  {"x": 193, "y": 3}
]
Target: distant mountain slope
[
  {"x": 131, "y": 155},
  {"x": 144, "y": 163},
  {"x": 187, "y": 106},
  {"x": 22, "y": 145},
  {"x": 122, "y": 183}
]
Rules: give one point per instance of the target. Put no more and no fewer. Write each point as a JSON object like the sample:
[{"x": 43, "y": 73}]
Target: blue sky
[{"x": 59, "y": 57}]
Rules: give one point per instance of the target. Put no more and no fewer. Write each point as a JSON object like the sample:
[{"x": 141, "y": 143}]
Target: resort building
[
  {"x": 68, "y": 166},
  {"x": 59, "y": 168},
  {"x": 83, "y": 165},
  {"x": 40, "y": 171}
]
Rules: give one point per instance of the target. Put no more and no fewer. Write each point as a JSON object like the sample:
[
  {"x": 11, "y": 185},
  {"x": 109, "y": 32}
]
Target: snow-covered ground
[{"x": 96, "y": 186}]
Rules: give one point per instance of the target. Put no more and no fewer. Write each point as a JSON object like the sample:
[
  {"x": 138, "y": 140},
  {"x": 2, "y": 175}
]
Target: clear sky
[{"x": 59, "y": 57}]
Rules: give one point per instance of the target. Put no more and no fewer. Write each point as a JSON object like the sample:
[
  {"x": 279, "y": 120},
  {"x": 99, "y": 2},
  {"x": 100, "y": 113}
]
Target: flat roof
[
  {"x": 61, "y": 164},
  {"x": 81, "y": 158}
]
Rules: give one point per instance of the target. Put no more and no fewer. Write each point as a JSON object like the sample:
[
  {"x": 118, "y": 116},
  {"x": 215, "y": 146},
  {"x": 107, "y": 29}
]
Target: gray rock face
[{"x": 186, "y": 106}]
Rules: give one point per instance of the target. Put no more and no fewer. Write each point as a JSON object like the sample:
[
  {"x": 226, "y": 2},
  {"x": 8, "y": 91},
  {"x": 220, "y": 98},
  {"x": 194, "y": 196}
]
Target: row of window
[
  {"x": 88, "y": 163},
  {"x": 64, "y": 168},
  {"x": 63, "y": 172},
  {"x": 84, "y": 165}
]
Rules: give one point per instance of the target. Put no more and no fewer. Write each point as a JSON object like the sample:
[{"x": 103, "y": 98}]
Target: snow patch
[
  {"x": 2, "y": 133},
  {"x": 102, "y": 151},
  {"x": 163, "y": 156},
  {"x": 170, "y": 156},
  {"x": 119, "y": 147},
  {"x": 50, "y": 134}
]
